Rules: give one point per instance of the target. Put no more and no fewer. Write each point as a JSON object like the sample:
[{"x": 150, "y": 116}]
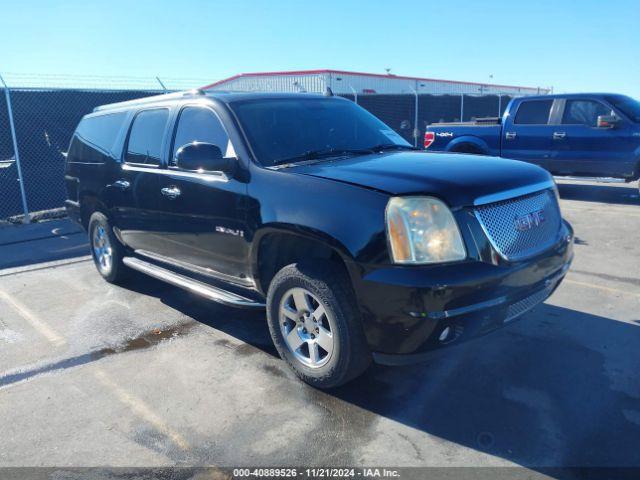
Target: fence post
[
  {"x": 355, "y": 94},
  {"x": 16, "y": 153},
  {"x": 462, "y": 107},
  {"x": 415, "y": 119}
]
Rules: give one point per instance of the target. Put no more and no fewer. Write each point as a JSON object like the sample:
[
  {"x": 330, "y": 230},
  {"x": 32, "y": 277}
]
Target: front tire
[
  {"x": 106, "y": 249},
  {"x": 315, "y": 324}
]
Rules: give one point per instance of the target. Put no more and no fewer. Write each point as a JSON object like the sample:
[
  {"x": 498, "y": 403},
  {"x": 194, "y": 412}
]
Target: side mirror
[
  {"x": 203, "y": 157},
  {"x": 607, "y": 121}
]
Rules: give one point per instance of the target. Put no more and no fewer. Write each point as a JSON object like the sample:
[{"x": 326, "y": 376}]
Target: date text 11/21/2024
[{"x": 320, "y": 472}]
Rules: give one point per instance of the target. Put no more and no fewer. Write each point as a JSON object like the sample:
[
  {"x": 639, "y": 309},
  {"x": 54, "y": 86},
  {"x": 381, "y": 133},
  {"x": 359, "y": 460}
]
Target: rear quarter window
[
  {"x": 95, "y": 137},
  {"x": 533, "y": 112}
]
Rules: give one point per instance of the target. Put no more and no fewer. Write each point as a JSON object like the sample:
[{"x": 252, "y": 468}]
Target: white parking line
[
  {"x": 141, "y": 409},
  {"x": 39, "y": 325}
]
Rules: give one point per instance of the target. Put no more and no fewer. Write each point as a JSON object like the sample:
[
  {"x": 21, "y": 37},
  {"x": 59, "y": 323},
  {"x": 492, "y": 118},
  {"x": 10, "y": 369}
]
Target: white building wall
[
  {"x": 349, "y": 83},
  {"x": 275, "y": 83}
]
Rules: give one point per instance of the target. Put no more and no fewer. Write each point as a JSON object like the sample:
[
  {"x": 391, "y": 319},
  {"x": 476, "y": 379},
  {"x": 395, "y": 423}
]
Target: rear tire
[
  {"x": 315, "y": 324},
  {"x": 106, "y": 249}
]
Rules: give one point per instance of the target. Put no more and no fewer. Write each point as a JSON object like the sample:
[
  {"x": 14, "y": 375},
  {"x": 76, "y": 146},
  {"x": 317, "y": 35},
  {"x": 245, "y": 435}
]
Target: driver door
[
  {"x": 203, "y": 216},
  {"x": 580, "y": 147}
]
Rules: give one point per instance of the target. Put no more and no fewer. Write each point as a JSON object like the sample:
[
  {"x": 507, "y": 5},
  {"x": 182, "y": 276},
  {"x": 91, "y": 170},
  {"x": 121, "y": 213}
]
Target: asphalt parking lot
[{"x": 93, "y": 374}]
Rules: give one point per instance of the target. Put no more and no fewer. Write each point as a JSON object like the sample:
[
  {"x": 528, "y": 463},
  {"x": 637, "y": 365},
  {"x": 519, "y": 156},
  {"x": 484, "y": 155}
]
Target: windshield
[
  {"x": 286, "y": 130},
  {"x": 627, "y": 105}
]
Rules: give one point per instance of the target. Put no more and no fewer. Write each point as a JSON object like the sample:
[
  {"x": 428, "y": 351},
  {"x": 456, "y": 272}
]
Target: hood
[{"x": 458, "y": 179}]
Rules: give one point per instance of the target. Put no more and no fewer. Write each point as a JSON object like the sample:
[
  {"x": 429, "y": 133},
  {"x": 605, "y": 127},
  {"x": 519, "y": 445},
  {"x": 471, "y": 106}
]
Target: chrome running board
[{"x": 182, "y": 281}]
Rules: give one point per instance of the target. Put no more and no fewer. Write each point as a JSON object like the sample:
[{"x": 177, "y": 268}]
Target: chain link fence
[
  {"x": 38, "y": 114},
  {"x": 410, "y": 114}
]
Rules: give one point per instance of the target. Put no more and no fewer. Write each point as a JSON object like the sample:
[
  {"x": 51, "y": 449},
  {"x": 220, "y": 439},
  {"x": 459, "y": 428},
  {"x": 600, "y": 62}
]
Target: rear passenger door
[
  {"x": 134, "y": 189},
  {"x": 526, "y": 134},
  {"x": 202, "y": 213},
  {"x": 580, "y": 147}
]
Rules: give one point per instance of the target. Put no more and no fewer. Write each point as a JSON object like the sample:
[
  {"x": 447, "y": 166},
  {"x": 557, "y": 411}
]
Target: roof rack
[{"x": 155, "y": 98}]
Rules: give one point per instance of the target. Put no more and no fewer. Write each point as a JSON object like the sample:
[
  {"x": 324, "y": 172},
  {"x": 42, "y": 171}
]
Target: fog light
[{"x": 444, "y": 335}]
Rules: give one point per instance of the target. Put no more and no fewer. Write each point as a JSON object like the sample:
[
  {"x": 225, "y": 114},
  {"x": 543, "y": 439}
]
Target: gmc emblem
[{"x": 529, "y": 220}]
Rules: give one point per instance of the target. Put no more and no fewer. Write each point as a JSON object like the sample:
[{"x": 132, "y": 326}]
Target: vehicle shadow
[
  {"x": 622, "y": 194},
  {"x": 559, "y": 388},
  {"x": 247, "y": 325}
]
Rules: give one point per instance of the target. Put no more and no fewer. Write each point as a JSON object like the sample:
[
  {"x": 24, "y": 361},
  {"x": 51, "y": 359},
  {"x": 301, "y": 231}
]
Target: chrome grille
[
  {"x": 523, "y": 226},
  {"x": 523, "y": 306}
]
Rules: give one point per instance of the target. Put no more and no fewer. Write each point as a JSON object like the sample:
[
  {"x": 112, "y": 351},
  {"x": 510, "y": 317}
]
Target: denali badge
[
  {"x": 529, "y": 220},
  {"x": 229, "y": 231}
]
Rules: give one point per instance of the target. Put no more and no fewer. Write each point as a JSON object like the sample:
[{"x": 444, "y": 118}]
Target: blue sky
[{"x": 584, "y": 45}]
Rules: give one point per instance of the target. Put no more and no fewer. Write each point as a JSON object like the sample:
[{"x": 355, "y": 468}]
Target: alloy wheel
[
  {"x": 102, "y": 249},
  {"x": 307, "y": 327}
]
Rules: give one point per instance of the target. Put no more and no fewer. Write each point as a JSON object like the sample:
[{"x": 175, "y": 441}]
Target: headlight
[{"x": 422, "y": 230}]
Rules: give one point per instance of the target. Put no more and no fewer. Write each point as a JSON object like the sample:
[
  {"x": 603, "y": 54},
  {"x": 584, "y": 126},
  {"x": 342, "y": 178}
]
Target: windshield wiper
[
  {"x": 319, "y": 154},
  {"x": 340, "y": 152}
]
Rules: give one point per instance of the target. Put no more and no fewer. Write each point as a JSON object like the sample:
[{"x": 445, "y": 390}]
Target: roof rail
[{"x": 154, "y": 98}]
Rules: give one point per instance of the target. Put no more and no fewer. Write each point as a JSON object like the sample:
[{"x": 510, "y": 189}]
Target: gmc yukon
[{"x": 357, "y": 245}]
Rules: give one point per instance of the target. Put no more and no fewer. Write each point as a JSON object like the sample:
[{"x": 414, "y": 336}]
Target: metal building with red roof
[{"x": 358, "y": 83}]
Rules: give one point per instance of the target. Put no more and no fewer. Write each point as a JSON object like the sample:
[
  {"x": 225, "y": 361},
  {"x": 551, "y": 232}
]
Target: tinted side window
[
  {"x": 95, "y": 137},
  {"x": 584, "y": 112},
  {"x": 197, "y": 124},
  {"x": 145, "y": 137},
  {"x": 534, "y": 112}
]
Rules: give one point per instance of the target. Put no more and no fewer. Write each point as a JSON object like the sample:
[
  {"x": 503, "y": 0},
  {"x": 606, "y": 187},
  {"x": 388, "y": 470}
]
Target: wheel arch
[
  {"x": 276, "y": 246},
  {"x": 475, "y": 145},
  {"x": 90, "y": 203}
]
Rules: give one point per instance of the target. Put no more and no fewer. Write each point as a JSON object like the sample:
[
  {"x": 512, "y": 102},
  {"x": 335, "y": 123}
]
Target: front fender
[{"x": 347, "y": 218}]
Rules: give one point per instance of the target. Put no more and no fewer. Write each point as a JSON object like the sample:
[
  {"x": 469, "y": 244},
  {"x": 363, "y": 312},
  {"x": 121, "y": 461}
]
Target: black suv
[{"x": 358, "y": 245}]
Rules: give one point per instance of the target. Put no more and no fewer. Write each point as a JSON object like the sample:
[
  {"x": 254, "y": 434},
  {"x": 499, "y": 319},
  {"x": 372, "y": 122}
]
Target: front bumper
[{"x": 409, "y": 310}]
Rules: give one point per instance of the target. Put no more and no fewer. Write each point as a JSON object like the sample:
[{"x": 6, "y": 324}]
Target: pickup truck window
[
  {"x": 627, "y": 105},
  {"x": 583, "y": 112},
  {"x": 279, "y": 129},
  {"x": 199, "y": 124},
  {"x": 145, "y": 137},
  {"x": 533, "y": 112}
]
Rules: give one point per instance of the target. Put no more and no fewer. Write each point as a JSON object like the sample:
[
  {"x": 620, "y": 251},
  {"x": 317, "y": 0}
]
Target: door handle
[
  {"x": 121, "y": 184},
  {"x": 171, "y": 192},
  {"x": 559, "y": 135},
  {"x": 510, "y": 135}
]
